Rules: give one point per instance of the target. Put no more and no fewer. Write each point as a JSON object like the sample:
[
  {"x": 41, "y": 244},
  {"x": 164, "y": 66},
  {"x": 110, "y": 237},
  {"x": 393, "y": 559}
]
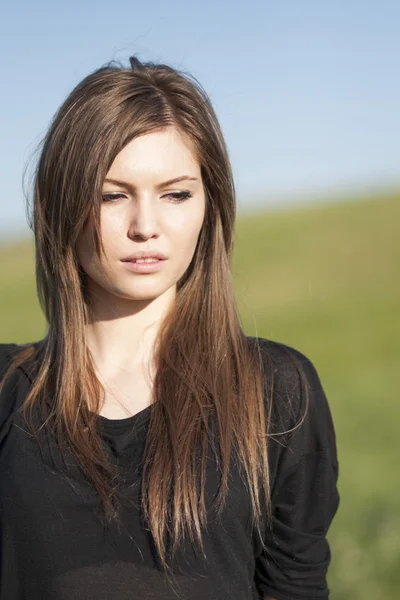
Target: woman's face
[{"x": 142, "y": 210}]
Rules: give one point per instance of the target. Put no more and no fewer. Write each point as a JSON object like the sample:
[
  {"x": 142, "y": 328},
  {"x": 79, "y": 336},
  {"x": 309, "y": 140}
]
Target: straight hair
[{"x": 208, "y": 374}]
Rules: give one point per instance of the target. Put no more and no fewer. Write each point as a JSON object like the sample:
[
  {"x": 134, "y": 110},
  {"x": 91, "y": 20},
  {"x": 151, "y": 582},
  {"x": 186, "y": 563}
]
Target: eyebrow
[{"x": 128, "y": 186}]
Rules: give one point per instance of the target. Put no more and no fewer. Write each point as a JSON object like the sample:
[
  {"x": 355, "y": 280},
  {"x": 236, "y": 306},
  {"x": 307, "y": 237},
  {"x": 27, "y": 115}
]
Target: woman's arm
[{"x": 304, "y": 494}]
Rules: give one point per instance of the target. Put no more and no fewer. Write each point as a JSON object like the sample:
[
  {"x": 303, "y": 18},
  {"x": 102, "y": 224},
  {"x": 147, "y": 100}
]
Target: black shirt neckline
[{"x": 141, "y": 416}]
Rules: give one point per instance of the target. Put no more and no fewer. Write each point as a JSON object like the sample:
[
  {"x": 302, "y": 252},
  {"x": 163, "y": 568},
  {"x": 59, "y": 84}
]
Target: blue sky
[{"x": 307, "y": 93}]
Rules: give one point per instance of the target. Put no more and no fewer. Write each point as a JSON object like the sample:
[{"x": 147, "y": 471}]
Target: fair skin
[{"x": 138, "y": 213}]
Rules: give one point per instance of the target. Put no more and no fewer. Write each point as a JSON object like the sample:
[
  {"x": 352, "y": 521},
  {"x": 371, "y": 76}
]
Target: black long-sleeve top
[{"x": 53, "y": 547}]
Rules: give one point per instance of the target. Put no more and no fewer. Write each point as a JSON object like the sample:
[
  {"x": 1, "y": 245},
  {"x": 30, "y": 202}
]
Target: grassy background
[{"x": 324, "y": 279}]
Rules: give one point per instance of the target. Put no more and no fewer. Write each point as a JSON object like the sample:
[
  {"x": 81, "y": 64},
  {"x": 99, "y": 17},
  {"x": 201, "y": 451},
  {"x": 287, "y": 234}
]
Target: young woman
[{"x": 148, "y": 447}]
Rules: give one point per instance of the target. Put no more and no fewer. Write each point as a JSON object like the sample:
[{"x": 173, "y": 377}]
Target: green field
[{"x": 324, "y": 279}]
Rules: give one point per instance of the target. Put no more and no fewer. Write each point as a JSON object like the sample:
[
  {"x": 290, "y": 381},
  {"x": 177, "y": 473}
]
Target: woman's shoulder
[
  {"x": 290, "y": 366},
  {"x": 7, "y": 349},
  {"x": 278, "y": 350},
  {"x": 7, "y": 353},
  {"x": 293, "y": 385},
  {"x": 11, "y": 350},
  {"x": 14, "y": 382}
]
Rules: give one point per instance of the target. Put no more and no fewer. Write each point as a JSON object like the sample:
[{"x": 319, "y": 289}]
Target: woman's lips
[{"x": 144, "y": 267}]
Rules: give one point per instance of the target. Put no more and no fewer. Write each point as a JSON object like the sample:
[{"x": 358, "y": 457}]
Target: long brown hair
[{"x": 206, "y": 368}]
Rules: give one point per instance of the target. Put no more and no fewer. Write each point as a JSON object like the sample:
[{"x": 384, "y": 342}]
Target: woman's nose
[{"x": 143, "y": 219}]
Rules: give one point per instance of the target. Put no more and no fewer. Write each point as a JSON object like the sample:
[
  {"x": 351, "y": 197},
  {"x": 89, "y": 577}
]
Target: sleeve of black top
[{"x": 304, "y": 473}]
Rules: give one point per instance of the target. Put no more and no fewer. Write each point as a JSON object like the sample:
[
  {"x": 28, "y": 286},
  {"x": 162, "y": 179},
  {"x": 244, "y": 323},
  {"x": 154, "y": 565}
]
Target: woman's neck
[{"x": 121, "y": 332}]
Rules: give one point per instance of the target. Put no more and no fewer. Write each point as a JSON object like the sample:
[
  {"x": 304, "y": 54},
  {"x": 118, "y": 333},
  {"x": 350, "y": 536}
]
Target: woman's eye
[
  {"x": 175, "y": 196},
  {"x": 179, "y": 196},
  {"x": 112, "y": 197}
]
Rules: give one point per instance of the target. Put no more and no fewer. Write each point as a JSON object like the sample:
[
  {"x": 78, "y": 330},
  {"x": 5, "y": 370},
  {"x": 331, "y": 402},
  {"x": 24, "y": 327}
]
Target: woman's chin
[{"x": 145, "y": 294}]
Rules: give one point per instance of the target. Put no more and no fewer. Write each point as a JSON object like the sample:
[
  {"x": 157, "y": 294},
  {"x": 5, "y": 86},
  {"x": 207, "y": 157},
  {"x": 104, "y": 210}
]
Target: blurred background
[{"x": 307, "y": 94}]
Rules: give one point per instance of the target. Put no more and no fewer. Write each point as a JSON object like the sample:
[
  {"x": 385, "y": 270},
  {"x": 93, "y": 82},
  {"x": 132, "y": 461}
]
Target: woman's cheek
[{"x": 188, "y": 221}]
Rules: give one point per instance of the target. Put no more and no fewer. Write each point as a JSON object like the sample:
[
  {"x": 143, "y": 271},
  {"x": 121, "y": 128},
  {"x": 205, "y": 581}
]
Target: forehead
[{"x": 159, "y": 154}]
